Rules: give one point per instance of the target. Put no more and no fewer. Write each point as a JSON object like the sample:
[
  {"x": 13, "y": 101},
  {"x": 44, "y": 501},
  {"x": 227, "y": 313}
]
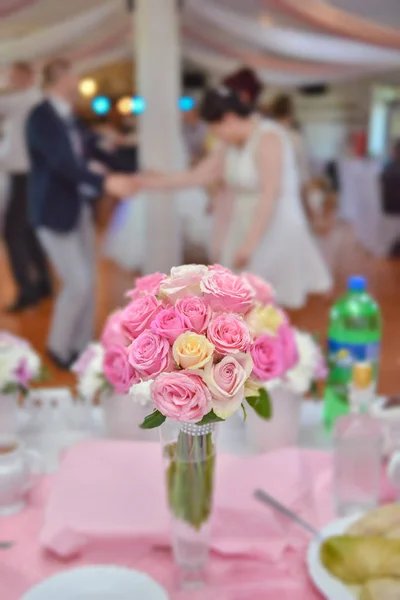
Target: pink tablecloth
[{"x": 231, "y": 576}]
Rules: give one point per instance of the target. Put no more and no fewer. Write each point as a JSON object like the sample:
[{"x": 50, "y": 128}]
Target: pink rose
[
  {"x": 150, "y": 354},
  {"x": 289, "y": 347},
  {"x": 119, "y": 373},
  {"x": 268, "y": 358},
  {"x": 196, "y": 312},
  {"x": 150, "y": 284},
  {"x": 226, "y": 292},
  {"x": 229, "y": 334},
  {"x": 264, "y": 292},
  {"x": 181, "y": 396},
  {"x": 220, "y": 268},
  {"x": 169, "y": 324},
  {"x": 112, "y": 332},
  {"x": 226, "y": 381},
  {"x": 184, "y": 281},
  {"x": 138, "y": 315}
]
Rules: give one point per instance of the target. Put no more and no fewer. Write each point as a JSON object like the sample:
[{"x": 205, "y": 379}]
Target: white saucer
[{"x": 98, "y": 583}]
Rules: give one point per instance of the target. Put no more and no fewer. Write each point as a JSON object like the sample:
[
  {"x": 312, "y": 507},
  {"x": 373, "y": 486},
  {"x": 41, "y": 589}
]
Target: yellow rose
[
  {"x": 192, "y": 351},
  {"x": 265, "y": 318},
  {"x": 251, "y": 388}
]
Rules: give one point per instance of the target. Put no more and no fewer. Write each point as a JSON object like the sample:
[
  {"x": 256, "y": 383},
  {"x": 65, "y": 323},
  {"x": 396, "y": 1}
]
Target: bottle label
[{"x": 344, "y": 354}]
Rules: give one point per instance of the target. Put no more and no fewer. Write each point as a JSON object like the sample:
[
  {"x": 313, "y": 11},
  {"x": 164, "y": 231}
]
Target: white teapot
[{"x": 17, "y": 466}]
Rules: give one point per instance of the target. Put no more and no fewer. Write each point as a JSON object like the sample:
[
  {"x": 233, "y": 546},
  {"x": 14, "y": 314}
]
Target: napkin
[{"x": 113, "y": 492}]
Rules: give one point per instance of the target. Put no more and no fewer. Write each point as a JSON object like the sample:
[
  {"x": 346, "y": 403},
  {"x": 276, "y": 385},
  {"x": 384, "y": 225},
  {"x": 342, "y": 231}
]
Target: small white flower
[
  {"x": 89, "y": 371},
  {"x": 19, "y": 363},
  {"x": 300, "y": 378},
  {"x": 140, "y": 392}
]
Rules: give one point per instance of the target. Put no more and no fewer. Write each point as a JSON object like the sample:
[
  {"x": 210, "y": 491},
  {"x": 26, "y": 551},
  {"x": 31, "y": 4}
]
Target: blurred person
[
  {"x": 247, "y": 86},
  {"x": 282, "y": 111},
  {"x": 194, "y": 134},
  {"x": 27, "y": 259},
  {"x": 62, "y": 191},
  {"x": 125, "y": 240},
  {"x": 390, "y": 186},
  {"x": 268, "y": 233}
]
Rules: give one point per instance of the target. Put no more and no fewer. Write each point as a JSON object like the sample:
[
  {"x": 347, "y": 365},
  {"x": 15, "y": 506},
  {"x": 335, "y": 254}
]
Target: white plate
[
  {"x": 329, "y": 586},
  {"x": 98, "y": 583}
]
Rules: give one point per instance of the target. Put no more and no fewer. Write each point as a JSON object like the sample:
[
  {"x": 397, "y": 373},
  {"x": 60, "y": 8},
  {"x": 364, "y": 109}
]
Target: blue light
[
  {"x": 101, "y": 105},
  {"x": 186, "y": 103},
  {"x": 138, "y": 105}
]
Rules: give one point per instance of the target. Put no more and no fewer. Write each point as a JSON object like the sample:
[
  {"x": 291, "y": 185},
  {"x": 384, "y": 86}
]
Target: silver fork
[{"x": 265, "y": 498}]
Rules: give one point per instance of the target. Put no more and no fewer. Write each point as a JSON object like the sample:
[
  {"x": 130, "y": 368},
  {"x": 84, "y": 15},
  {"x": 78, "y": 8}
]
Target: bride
[{"x": 268, "y": 233}]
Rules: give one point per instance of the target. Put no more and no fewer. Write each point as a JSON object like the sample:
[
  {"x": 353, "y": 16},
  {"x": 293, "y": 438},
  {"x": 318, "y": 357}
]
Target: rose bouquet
[
  {"x": 207, "y": 339},
  {"x": 20, "y": 365}
]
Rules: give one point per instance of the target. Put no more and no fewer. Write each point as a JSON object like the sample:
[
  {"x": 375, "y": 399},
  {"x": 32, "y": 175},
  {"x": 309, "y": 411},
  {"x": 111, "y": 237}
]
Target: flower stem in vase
[{"x": 190, "y": 485}]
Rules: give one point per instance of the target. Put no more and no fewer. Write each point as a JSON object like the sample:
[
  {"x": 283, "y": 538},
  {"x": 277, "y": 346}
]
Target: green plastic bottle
[{"x": 355, "y": 332}]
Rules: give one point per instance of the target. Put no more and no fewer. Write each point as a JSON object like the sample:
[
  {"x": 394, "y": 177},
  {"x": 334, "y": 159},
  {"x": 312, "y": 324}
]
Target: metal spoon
[{"x": 270, "y": 501}]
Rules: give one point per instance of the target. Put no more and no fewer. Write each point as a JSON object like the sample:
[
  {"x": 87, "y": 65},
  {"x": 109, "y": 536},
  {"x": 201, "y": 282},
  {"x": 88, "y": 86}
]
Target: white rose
[
  {"x": 300, "y": 378},
  {"x": 140, "y": 392},
  {"x": 89, "y": 385},
  {"x": 183, "y": 281}
]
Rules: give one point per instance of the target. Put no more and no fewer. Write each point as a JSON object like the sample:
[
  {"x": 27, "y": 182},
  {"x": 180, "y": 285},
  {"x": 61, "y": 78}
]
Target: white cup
[{"x": 17, "y": 466}]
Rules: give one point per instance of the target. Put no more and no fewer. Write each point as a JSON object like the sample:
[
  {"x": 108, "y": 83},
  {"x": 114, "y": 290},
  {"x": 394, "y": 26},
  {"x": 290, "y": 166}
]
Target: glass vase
[
  {"x": 189, "y": 452},
  {"x": 8, "y": 413},
  {"x": 123, "y": 417}
]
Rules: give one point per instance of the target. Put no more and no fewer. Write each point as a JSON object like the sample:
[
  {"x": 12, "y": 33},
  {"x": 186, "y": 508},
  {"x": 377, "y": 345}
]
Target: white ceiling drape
[
  {"x": 323, "y": 15},
  {"x": 10, "y": 7},
  {"x": 219, "y": 66},
  {"x": 218, "y": 36},
  {"x": 303, "y": 45},
  {"x": 51, "y": 40}
]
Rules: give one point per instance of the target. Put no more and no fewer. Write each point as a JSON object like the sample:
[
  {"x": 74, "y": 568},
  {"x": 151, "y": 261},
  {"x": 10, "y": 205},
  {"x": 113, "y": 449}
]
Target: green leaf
[
  {"x": 314, "y": 389},
  {"x": 210, "y": 417},
  {"x": 44, "y": 375},
  {"x": 10, "y": 388},
  {"x": 154, "y": 420},
  {"x": 261, "y": 404},
  {"x": 244, "y": 411}
]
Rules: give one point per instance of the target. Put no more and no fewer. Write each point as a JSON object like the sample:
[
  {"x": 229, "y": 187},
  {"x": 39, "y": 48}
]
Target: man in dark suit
[
  {"x": 62, "y": 190},
  {"x": 27, "y": 260}
]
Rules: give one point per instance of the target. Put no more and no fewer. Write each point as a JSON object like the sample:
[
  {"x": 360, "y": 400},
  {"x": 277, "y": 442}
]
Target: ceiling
[
  {"x": 289, "y": 42},
  {"x": 381, "y": 11}
]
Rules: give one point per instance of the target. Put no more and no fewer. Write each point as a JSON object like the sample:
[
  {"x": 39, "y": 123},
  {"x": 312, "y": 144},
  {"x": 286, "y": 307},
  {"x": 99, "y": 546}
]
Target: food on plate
[
  {"x": 377, "y": 522},
  {"x": 381, "y": 589},
  {"x": 393, "y": 534},
  {"x": 355, "y": 560}
]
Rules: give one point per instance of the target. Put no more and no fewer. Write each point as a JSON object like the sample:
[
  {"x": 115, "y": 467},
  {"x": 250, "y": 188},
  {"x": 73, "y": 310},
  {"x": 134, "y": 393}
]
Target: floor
[{"x": 343, "y": 253}]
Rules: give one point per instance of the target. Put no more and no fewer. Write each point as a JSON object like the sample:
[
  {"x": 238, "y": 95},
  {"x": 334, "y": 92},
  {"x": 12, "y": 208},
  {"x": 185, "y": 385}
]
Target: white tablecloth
[{"x": 361, "y": 204}]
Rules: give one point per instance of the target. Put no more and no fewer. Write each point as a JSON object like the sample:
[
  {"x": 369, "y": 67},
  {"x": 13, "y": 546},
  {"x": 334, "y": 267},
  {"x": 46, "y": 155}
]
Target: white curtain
[
  {"x": 304, "y": 45},
  {"x": 220, "y": 65},
  {"x": 121, "y": 53},
  {"x": 50, "y": 40}
]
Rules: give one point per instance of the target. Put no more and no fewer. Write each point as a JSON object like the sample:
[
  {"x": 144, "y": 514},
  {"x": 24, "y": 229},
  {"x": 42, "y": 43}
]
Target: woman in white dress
[{"x": 268, "y": 232}]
